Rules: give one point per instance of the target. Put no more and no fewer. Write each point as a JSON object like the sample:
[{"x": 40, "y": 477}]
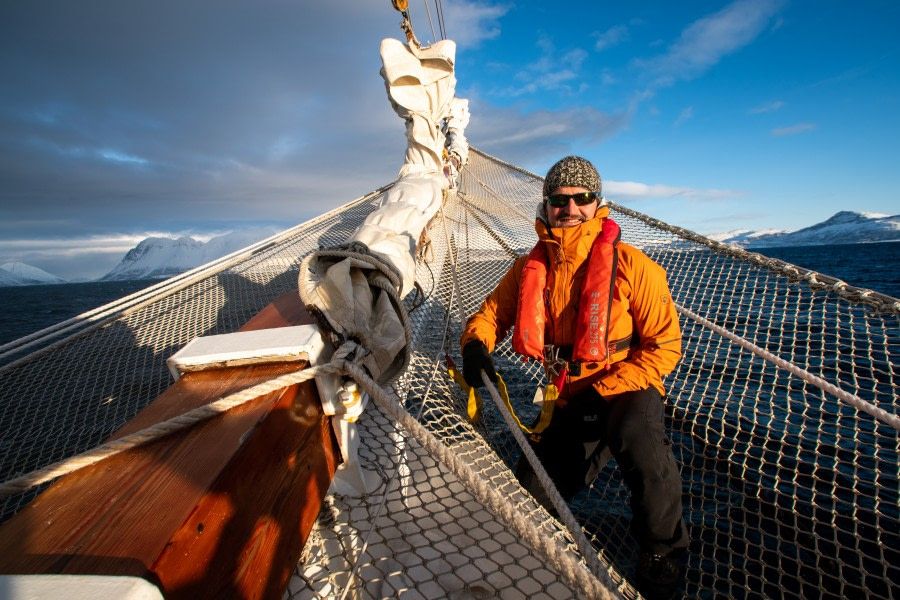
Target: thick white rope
[
  {"x": 567, "y": 566},
  {"x": 587, "y": 550},
  {"x": 829, "y": 388},
  {"x": 577, "y": 576},
  {"x": 173, "y": 425}
]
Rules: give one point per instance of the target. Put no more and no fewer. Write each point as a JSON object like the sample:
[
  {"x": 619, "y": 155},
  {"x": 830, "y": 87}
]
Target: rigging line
[
  {"x": 454, "y": 272},
  {"x": 421, "y": 409},
  {"x": 428, "y": 12},
  {"x": 574, "y": 572},
  {"x": 501, "y": 199},
  {"x": 863, "y": 405},
  {"x": 490, "y": 230},
  {"x": 439, "y": 10},
  {"x": 816, "y": 281},
  {"x": 506, "y": 165},
  {"x": 588, "y": 552}
]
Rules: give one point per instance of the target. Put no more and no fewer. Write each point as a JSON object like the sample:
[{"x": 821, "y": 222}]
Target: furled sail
[{"x": 347, "y": 285}]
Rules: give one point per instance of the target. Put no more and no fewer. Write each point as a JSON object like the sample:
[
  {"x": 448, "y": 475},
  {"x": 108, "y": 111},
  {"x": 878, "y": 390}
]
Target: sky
[{"x": 123, "y": 120}]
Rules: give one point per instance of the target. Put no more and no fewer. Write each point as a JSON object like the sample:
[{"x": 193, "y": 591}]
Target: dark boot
[{"x": 658, "y": 577}]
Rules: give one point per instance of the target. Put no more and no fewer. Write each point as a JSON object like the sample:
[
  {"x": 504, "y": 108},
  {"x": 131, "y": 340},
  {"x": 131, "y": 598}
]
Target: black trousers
[{"x": 577, "y": 444}]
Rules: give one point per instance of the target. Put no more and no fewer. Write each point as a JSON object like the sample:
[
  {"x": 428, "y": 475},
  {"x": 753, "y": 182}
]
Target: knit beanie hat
[{"x": 572, "y": 171}]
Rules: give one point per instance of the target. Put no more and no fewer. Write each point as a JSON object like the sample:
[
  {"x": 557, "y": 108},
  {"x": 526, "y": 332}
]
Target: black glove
[{"x": 475, "y": 360}]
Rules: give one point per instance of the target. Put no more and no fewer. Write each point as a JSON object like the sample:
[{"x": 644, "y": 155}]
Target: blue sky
[{"x": 121, "y": 120}]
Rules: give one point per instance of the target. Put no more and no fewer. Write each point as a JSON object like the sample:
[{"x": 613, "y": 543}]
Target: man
[{"x": 598, "y": 311}]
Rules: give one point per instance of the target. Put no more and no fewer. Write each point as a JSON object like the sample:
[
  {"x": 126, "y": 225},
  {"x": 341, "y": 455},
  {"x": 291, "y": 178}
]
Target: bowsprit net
[{"x": 781, "y": 413}]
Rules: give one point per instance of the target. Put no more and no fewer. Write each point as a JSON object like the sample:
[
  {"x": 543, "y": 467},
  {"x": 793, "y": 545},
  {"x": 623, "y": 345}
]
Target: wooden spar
[{"x": 221, "y": 510}]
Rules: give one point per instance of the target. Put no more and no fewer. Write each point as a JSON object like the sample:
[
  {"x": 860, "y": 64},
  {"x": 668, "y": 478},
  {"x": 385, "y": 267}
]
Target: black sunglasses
[{"x": 561, "y": 200}]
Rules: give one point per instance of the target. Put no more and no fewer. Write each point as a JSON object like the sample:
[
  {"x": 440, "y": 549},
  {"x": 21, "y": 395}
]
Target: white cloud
[
  {"x": 535, "y": 137},
  {"x": 768, "y": 107},
  {"x": 631, "y": 190},
  {"x": 104, "y": 244},
  {"x": 468, "y": 23},
  {"x": 686, "y": 114},
  {"x": 793, "y": 129},
  {"x": 121, "y": 157},
  {"x": 706, "y": 41},
  {"x": 611, "y": 37},
  {"x": 550, "y": 72}
]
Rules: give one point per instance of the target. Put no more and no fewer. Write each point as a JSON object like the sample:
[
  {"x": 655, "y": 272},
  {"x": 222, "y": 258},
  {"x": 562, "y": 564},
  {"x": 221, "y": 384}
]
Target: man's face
[{"x": 571, "y": 214}]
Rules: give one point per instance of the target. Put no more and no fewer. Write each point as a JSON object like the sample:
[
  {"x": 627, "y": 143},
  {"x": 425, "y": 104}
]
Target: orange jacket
[{"x": 643, "y": 320}]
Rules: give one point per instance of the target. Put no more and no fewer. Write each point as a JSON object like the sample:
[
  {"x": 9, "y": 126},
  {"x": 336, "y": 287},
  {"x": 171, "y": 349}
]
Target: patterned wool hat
[{"x": 572, "y": 171}]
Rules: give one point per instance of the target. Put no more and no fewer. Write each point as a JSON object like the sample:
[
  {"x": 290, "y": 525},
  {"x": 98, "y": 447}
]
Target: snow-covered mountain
[
  {"x": 158, "y": 258},
  {"x": 18, "y": 273},
  {"x": 845, "y": 227}
]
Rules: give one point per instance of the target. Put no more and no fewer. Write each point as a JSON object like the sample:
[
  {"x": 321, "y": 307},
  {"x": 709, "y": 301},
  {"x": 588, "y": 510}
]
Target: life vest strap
[{"x": 474, "y": 401}]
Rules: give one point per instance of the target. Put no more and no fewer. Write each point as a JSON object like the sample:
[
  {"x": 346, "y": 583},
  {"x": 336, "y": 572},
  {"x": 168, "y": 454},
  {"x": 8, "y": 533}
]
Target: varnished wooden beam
[{"x": 221, "y": 510}]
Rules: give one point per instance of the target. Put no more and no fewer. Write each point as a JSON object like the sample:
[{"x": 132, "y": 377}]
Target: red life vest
[{"x": 592, "y": 327}]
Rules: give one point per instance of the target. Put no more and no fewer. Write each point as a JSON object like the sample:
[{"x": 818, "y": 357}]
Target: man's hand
[{"x": 475, "y": 360}]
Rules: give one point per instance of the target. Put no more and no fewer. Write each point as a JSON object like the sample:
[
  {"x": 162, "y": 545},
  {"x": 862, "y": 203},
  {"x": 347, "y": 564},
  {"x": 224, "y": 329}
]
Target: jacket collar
[{"x": 578, "y": 239}]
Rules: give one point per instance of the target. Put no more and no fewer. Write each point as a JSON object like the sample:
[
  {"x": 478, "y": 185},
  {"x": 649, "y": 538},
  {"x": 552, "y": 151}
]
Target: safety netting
[{"x": 781, "y": 414}]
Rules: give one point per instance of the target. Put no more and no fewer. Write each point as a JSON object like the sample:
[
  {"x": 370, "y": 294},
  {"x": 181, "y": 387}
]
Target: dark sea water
[
  {"x": 26, "y": 309},
  {"x": 871, "y": 266},
  {"x": 29, "y": 308}
]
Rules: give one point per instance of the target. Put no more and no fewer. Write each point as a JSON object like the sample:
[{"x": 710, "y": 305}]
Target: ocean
[
  {"x": 26, "y": 309},
  {"x": 871, "y": 266},
  {"x": 29, "y": 308}
]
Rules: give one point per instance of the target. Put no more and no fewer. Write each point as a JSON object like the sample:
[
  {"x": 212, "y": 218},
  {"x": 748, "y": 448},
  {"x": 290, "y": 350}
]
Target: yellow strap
[
  {"x": 400, "y": 5},
  {"x": 473, "y": 409}
]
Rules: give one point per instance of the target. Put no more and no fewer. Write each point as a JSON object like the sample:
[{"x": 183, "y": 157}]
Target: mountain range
[
  {"x": 18, "y": 273},
  {"x": 152, "y": 258},
  {"x": 845, "y": 227},
  {"x": 158, "y": 258}
]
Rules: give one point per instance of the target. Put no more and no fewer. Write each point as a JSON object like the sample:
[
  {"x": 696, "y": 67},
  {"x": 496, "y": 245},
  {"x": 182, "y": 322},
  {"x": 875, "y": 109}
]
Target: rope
[
  {"x": 497, "y": 197},
  {"x": 442, "y": 23},
  {"x": 390, "y": 287},
  {"x": 98, "y": 317},
  {"x": 859, "y": 403},
  {"x": 428, "y": 12},
  {"x": 816, "y": 281},
  {"x": 568, "y": 567},
  {"x": 454, "y": 272},
  {"x": 584, "y": 546},
  {"x": 165, "y": 428}
]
